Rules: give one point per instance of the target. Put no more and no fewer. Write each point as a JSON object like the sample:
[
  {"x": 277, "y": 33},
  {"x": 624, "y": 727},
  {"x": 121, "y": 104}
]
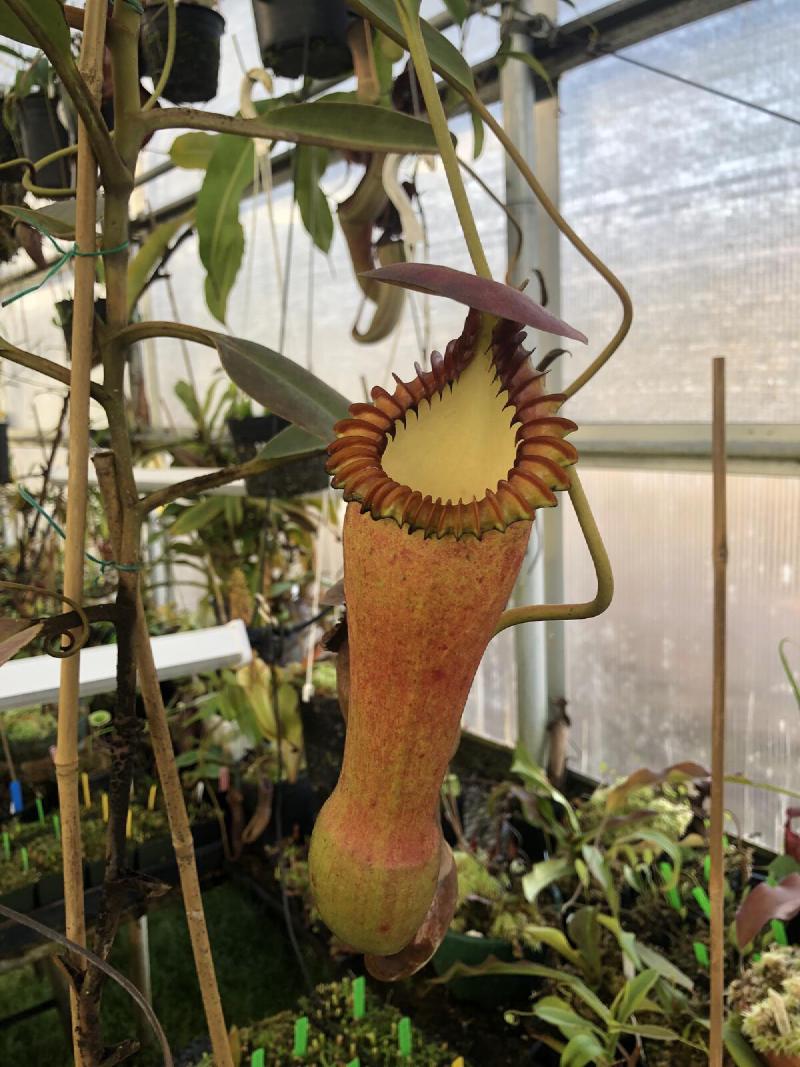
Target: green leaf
[
  {"x": 737, "y": 1045},
  {"x": 478, "y": 133},
  {"x": 544, "y": 874},
  {"x": 220, "y": 234},
  {"x": 281, "y": 385},
  {"x": 193, "y": 151},
  {"x": 666, "y": 969},
  {"x": 583, "y": 1049},
  {"x": 459, "y": 9},
  {"x": 741, "y": 779},
  {"x": 44, "y": 220},
  {"x": 309, "y": 166},
  {"x": 185, "y": 392},
  {"x": 292, "y": 443},
  {"x": 350, "y": 127},
  {"x": 15, "y": 634},
  {"x": 445, "y": 57},
  {"x": 49, "y": 18},
  {"x": 198, "y": 516},
  {"x": 585, "y": 932},
  {"x": 555, "y": 939},
  {"x": 524, "y": 766},
  {"x": 557, "y": 1012},
  {"x": 535, "y": 65},
  {"x": 632, "y": 994},
  {"x": 149, "y": 255},
  {"x": 654, "y": 1033},
  {"x": 601, "y": 872}
]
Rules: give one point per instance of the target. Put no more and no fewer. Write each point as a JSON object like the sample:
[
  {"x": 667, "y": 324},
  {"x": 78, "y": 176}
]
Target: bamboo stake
[
  {"x": 66, "y": 761},
  {"x": 169, "y": 777},
  {"x": 717, "y": 879}
]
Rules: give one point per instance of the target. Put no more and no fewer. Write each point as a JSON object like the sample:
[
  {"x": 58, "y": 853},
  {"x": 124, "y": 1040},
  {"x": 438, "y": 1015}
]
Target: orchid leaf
[
  {"x": 281, "y": 385},
  {"x": 48, "y": 16},
  {"x": 459, "y": 9},
  {"x": 445, "y": 57},
  {"x": 350, "y": 127},
  {"x": 493, "y": 298},
  {"x": 767, "y": 902},
  {"x": 542, "y": 875},
  {"x": 655, "y": 961},
  {"x": 524, "y": 766},
  {"x": 581, "y": 1050},
  {"x": 558, "y": 1013},
  {"x": 630, "y": 997},
  {"x": 737, "y": 1046},
  {"x": 57, "y": 219}
]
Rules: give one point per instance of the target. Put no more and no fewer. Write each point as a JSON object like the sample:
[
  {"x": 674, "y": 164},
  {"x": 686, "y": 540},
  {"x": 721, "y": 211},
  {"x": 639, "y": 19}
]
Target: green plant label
[
  {"x": 300, "y": 1036},
  {"x": 359, "y": 997}
]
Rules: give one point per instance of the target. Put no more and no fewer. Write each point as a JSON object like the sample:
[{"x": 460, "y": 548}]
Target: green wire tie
[
  {"x": 103, "y": 564},
  {"x": 300, "y": 1036},
  {"x": 779, "y": 932},
  {"x": 359, "y": 997},
  {"x": 66, "y": 254},
  {"x": 701, "y": 897},
  {"x": 404, "y": 1037},
  {"x": 701, "y": 953},
  {"x": 257, "y": 1059}
]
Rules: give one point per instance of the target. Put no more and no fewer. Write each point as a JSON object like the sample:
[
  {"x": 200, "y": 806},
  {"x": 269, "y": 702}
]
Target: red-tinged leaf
[
  {"x": 645, "y": 777},
  {"x": 15, "y": 636},
  {"x": 765, "y": 903},
  {"x": 483, "y": 294}
]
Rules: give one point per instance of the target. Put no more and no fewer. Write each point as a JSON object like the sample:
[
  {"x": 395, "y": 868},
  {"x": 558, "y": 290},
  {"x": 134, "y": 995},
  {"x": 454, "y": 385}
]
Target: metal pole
[{"x": 533, "y": 126}]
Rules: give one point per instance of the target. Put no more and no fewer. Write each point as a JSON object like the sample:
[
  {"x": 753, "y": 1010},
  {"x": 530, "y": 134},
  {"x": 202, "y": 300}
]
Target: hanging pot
[
  {"x": 41, "y": 132},
  {"x": 195, "y": 69},
  {"x": 304, "y": 475},
  {"x": 303, "y": 37}
]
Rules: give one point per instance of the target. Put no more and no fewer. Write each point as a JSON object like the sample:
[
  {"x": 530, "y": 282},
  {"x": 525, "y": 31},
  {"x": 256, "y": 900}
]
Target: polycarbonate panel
[
  {"x": 639, "y": 677},
  {"x": 694, "y": 202}
]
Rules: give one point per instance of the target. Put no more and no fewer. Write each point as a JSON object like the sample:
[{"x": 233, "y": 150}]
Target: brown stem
[
  {"x": 88, "y": 1046},
  {"x": 46, "y": 367},
  {"x": 204, "y": 482},
  {"x": 171, "y": 787}
]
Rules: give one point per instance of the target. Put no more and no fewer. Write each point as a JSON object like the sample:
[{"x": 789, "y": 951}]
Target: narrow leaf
[
  {"x": 293, "y": 443},
  {"x": 738, "y": 1047},
  {"x": 542, "y": 875},
  {"x": 445, "y": 57},
  {"x": 281, "y": 385},
  {"x": 351, "y": 127},
  {"x": 49, "y": 18},
  {"x": 12, "y": 643},
  {"x": 666, "y": 969},
  {"x": 581, "y": 1050},
  {"x": 459, "y": 9},
  {"x": 493, "y": 298},
  {"x": 616, "y": 797},
  {"x": 309, "y": 166},
  {"x": 198, "y": 515},
  {"x": 633, "y": 993},
  {"x": 558, "y": 1013}
]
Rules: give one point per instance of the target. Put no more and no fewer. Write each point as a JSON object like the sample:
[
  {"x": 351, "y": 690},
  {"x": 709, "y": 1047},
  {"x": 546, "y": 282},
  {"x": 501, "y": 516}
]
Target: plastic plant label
[
  {"x": 359, "y": 997},
  {"x": 404, "y": 1037},
  {"x": 257, "y": 1059},
  {"x": 300, "y": 1036},
  {"x": 701, "y": 953},
  {"x": 701, "y": 897}
]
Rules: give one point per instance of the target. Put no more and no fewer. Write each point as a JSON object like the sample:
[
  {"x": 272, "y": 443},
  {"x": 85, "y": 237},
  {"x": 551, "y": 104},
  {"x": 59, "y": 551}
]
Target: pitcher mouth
[{"x": 379, "y": 440}]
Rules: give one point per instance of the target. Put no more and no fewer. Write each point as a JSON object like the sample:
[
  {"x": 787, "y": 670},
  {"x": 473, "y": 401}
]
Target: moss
[{"x": 768, "y": 998}]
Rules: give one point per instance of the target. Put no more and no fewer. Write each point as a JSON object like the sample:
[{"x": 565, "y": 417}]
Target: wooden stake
[
  {"x": 717, "y": 879},
  {"x": 169, "y": 778},
  {"x": 66, "y": 759}
]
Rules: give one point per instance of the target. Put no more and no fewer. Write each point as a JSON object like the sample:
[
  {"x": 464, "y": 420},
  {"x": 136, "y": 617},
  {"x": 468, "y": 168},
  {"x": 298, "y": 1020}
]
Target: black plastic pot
[
  {"x": 486, "y": 989},
  {"x": 157, "y": 852},
  {"x": 195, "y": 70},
  {"x": 49, "y": 889},
  {"x": 41, "y": 132},
  {"x": 94, "y": 873},
  {"x": 304, "y": 475},
  {"x": 303, "y": 37},
  {"x": 21, "y": 899}
]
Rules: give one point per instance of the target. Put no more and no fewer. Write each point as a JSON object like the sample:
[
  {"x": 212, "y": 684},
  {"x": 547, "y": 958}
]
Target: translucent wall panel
[
  {"x": 694, "y": 202},
  {"x": 639, "y": 677}
]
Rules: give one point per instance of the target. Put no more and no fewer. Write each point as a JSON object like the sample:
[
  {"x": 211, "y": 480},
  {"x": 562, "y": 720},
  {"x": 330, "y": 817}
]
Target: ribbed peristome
[{"x": 542, "y": 453}]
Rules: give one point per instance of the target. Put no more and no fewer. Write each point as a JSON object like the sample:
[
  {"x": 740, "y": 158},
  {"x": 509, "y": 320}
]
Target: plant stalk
[
  {"x": 717, "y": 828},
  {"x": 409, "y": 19},
  {"x": 66, "y": 760}
]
